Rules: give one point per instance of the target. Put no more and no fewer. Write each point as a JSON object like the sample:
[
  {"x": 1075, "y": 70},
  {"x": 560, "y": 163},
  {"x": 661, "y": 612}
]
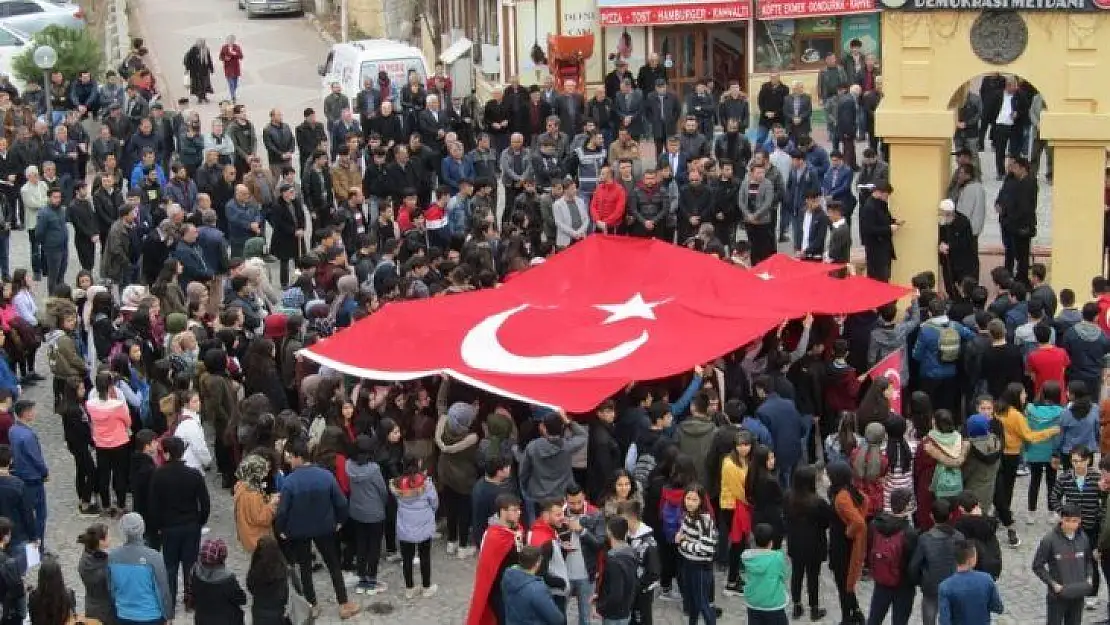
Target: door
[{"x": 688, "y": 49}]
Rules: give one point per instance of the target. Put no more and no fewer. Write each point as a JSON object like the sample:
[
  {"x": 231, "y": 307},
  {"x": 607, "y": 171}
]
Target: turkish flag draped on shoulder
[
  {"x": 891, "y": 369},
  {"x": 576, "y": 329}
]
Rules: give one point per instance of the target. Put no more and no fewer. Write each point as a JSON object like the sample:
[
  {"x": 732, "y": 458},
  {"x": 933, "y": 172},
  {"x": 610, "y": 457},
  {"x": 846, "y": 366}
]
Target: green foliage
[{"x": 78, "y": 50}]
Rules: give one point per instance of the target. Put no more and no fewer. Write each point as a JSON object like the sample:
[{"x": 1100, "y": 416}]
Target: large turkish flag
[{"x": 574, "y": 330}]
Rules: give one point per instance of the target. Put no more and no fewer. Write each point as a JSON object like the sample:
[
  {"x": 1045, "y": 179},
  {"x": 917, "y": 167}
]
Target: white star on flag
[{"x": 634, "y": 308}]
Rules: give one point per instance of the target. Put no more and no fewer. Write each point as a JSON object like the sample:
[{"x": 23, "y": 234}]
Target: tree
[{"x": 78, "y": 51}]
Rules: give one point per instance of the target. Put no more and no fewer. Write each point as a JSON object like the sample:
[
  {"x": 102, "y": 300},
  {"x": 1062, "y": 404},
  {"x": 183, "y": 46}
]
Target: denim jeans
[
  {"x": 232, "y": 86},
  {"x": 883, "y": 598},
  {"x": 36, "y": 492},
  {"x": 56, "y": 261},
  {"x": 583, "y": 589}
]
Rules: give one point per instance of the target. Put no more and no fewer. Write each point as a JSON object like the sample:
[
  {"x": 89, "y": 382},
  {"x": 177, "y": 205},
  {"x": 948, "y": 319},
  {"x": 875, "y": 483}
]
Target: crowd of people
[{"x": 176, "y": 352}]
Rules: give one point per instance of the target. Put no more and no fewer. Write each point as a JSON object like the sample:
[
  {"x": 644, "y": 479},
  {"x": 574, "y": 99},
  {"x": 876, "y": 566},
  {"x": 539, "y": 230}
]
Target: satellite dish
[{"x": 45, "y": 57}]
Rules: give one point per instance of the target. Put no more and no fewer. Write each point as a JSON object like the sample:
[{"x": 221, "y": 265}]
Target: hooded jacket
[
  {"x": 765, "y": 581},
  {"x": 1086, "y": 344},
  {"x": 888, "y": 524},
  {"x": 1041, "y": 417},
  {"x": 110, "y": 420},
  {"x": 695, "y": 438},
  {"x": 139, "y": 585},
  {"x": 981, "y": 466},
  {"x": 217, "y": 596},
  {"x": 934, "y": 557},
  {"x": 545, "y": 466},
  {"x": 619, "y": 584},
  {"x": 457, "y": 468},
  {"x": 648, "y": 565},
  {"x": 1065, "y": 561},
  {"x": 527, "y": 600},
  {"x": 93, "y": 569},
  {"x": 416, "y": 511},
  {"x": 369, "y": 493}
]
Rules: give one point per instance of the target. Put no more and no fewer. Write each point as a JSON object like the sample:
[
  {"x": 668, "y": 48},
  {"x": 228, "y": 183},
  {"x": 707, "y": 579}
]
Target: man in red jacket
[
  {"x": 608, "y": 202},
  {"x": 500, "y": 548},
  {"x": 1100, "y": 288}
]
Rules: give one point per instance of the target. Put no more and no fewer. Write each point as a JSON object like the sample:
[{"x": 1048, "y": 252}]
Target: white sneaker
[
  {"x": 393, "y": 557},
  {"x": 670, "y": 595},
  {"x": 350, "y": 579},
  {"x": 1030, "y": 520},
  {"x": 1022, "y": 471},
  {"x": 465, "y": 552},
  {"x": 415, "y": 561},
  {"x": 410, "y": 593},
  {"x": 1092, "y": 603},
  {"x": 452, "y": 548},
  {"x": 429, "y": 592}
]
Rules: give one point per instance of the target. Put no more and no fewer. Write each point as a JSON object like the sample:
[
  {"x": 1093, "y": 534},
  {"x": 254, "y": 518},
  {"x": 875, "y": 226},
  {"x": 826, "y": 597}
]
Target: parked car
[
  {"x": 12, "y": 43},
  {"x": 31, "y": 16},
  {"x": 254, "y": 8}
]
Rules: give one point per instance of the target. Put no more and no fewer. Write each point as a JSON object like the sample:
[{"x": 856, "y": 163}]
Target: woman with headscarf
[
  {"x": 457, "y": 473},
  {"x": 345, "y": 303},
  {"x": 199, "y": 67},
  {"x": 218, "y": 597},
  {"x": 869, "y": 466},
  {"x": 981, "y": 466},
  {"x": 254, "y": 509},
  {"x": 500, "y": 438}
]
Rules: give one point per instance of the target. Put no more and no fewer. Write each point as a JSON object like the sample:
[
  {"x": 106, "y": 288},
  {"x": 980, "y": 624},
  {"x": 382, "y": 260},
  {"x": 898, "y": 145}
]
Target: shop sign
[
  {"x": 641, "y": 13},
  {"x": 790, "y": 9},
  {"x": 865, "y": 28},
  {"x": 997, "y": 5}
]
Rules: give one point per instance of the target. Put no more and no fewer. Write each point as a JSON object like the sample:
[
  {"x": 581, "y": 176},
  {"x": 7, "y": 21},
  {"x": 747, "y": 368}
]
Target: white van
[{"x": 350, "y": 63}]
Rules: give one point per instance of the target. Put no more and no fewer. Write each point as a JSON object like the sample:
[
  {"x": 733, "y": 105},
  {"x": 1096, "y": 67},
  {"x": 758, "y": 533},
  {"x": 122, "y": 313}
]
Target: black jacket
[
  {"x": 83, "y": 217},
  {"x": 604, "y": 458},
  {"x": 807, "y": 529},
  {"x": 15, "y": 505},
  {"x": 278, "y": 140},
  {"x": 286, "y": 220},
  {"x": 619, "y": 585},
  {"x": 12, "y": 591},
  {"x": 874, "y": 228},
  {"x": 217, "y": 597},
  {"x": 142, "y": 469},
  {"x": 771, "y": 98},
  {"x": 981, "y": 530},
  {"x": 934, "y": 558},
  {"x": 309, "y": 137},
  {"x": 268, "y": 599},
  {"x": 178, "y": 496},
  {"x": 1017, "y": 204}
]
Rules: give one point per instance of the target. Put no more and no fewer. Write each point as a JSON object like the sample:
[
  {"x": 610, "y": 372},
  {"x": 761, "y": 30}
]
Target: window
[
  {"x": 9, "y": 40},
  {"x": 21, "y": 8},
  {"x": 783, "y": 45},
  {"x": 397, "y": 69}
]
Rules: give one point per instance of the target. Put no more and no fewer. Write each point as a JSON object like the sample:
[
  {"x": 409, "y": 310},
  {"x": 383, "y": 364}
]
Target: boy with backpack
[
  {"x": 765, "y": 584},
  {"x": 937, "y": 352},
  {"x": 642, "y": 541},
  {"x": 893, "y": 541}
]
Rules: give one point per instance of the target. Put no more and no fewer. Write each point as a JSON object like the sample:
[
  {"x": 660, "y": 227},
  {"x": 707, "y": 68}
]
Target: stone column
[
  {"x": 1077, "y": 215},
  {"x": 919, "y": 173}
]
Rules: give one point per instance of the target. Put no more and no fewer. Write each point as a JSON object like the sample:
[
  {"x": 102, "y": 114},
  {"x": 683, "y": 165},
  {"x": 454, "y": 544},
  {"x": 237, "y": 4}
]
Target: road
[{"x": 281, "y": 57}]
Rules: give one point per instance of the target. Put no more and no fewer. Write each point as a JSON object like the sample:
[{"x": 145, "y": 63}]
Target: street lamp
[{"x": 46, "y": 58}]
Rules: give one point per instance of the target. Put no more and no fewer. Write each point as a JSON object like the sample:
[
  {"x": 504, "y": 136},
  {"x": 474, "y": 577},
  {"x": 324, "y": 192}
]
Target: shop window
[{"x": 784, "y": 45}]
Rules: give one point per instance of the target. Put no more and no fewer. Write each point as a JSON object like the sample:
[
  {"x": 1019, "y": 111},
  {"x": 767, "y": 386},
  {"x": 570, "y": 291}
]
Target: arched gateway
[{"x": 931, "y": 47}]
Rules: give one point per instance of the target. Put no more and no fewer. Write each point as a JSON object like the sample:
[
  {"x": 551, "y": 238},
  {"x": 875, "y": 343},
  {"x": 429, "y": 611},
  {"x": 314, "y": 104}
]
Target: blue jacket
[
  {"x": 416, "y": 513},
  {"x": 213, "y": 246},
  {"x": 87, "y": 94},
  {"x": 50, "y": 230},
  {"x": 784, "y": 422},
  {"x": 452, "y": 171},
  {"x": 138, "y": 583},
  {"x": 818, "y": 159},
  {"x": 842, "y": 190},
  {"x": 759, "y": 431},
  {"x": 527, "y": 599},
  {"x": 28, "y": 463},
  {"x": 15, "y": 505},
  {"x": 1017, "y": 315},
  {"x": 966, "y": 598},
  {"x": 311, "y": 503},
  {"x": 7, "y": 376},
  {"x": 797, "y": 184},
  {"x": 137, "y": 175},
  {"x": 185, "y": 195},
  {"x": 1086, "y": 344},
  {"x": 192, "y": 260},
  {"x": 1075, "y": 432},
  {"x": 458, "y": 215},
  {"x": 239, "y": 220},
  {"x": 1041, "y": 417},
  {"x": 369, "y": 494},
  {"x": 926, "y": 351}
]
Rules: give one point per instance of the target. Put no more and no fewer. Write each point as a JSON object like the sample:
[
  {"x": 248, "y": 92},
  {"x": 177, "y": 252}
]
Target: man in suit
[
  {"x": 876, "y": 231},
  {"x": 771, "y": 98},
  {"x": 570, "y": 107},
  {"x": 814, "y": 227},
  {"x": 734, "y": 105},
  {"x": 310, "y": 136},
  {"x": 662, "y": 110},
  {"x": 757, "y": 207},
  {"x": 840, "y": 238},
  {"x": 673, "y": 159},
  {"x": 434, "y": 123},
  {"x": 531, "y": 118},
  {"x": 837, "y": 185},
  {"x": 800, "y": 182},
  {"x": 990, "y": 92},
  {"x": 797, "y": 109},
  {"x": 628, "y": 108},
  {"x": 614, "y": 78}
]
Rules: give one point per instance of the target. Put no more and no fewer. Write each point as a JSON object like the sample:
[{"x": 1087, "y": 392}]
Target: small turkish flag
[{"x": 891, "y": 369}]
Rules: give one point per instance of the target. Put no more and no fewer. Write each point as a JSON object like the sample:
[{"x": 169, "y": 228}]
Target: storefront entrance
[{"x": 717, "y": 52}]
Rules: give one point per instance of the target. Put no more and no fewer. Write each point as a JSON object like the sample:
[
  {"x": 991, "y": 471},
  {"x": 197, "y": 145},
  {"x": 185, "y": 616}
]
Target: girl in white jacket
[{"x": 190, "y": 430}]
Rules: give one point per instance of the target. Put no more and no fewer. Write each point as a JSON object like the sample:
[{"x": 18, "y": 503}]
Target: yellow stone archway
[{"x": 927, "y": 56}]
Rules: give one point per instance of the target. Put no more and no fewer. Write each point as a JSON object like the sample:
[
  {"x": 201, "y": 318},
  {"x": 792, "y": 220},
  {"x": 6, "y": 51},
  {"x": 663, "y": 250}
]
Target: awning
[
  {"x": 791, "y": 9},
  {"x": 648, "y": 13},
  {"x": 456, "y": 50}
]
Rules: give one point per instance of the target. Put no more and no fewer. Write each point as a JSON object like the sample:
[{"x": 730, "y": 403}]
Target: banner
[
  {"x": 997, "y": 5},
  {"x": 891, "y": 369},
  {"x": 641, "y": 13},
  {"x": 789, "y": 9}
]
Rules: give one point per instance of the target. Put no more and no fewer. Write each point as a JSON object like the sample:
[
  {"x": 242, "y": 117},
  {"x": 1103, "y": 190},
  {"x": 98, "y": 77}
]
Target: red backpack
[{"x": 886, "y": 558}]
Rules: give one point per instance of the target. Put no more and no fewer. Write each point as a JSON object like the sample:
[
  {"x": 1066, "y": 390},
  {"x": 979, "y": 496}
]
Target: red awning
[
  {"x": 606, "y": 312},
  {"x": 624, "y": 13}
]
